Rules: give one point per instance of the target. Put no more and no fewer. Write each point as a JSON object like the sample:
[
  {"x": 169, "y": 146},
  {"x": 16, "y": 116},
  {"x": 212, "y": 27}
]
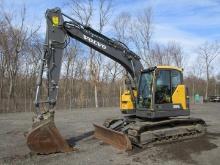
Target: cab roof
[
  {"x": 169, "y": 67},
  {"x": 163, "y": 67}
]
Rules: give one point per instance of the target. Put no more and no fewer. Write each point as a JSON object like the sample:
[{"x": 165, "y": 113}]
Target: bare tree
[
  {"x": 16, "y": 47},
  {"x": 175, "y": 52},
  {"x": 105, "y": 7},
  {"x": 12, "y": 43},
  {"x": 141, "y": 32},
  {"x": 156, "y": 56},
  {"x": 120, "y": 27},
  {"x": 84, "y": 10},
  {"x": 169, "y": 54},
  {"x": 208, "y": 51},
  {"x": 113, "y": 70},
  {"x": 195, "y": 74},
  {"x": 69, "y": 60}
]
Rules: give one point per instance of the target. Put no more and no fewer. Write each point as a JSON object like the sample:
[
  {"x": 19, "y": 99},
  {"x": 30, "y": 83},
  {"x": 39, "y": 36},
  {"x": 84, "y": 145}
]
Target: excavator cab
[
  {"x": 160, "y": 89},
  {"x": 161, "y": 93}
]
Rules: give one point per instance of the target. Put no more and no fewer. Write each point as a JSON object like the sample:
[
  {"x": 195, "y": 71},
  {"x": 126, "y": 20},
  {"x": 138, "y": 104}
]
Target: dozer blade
[
  {"x": 117, "y": 139},
  {"x": 44, "y": 138}
]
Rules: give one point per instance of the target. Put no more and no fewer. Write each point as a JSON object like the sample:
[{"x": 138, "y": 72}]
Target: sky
[{"x": 188, "y": 22}]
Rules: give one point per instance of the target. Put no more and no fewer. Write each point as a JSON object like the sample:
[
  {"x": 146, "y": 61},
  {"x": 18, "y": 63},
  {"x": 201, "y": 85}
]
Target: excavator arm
[
  {"x": 44, "y": 137},
  {"x": 58, "y": 32}
]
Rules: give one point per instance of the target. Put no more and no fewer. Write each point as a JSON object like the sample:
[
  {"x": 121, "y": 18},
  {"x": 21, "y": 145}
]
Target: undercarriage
[{"x": 142, "y": 132}]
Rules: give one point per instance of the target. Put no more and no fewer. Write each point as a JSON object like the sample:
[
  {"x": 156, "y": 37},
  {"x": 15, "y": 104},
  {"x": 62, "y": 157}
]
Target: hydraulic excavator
[{"x": 152, "y": 104}]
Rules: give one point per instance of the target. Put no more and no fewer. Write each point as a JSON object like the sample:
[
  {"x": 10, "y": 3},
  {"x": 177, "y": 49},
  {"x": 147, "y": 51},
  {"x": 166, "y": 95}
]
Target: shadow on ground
[
  {"x": 72, "y": 141},
  {"x": 180, "y": 151}
]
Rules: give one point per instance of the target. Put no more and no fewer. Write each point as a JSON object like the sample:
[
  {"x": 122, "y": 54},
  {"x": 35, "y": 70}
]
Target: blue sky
[{"x": 189, "y": 22}]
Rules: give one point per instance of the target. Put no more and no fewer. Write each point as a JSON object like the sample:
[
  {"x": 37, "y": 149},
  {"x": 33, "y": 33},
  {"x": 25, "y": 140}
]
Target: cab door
[
  {"x": 163, "y": 87},
  {"x": 167, "y": 82},
  {"x": 179, "y": 92}
]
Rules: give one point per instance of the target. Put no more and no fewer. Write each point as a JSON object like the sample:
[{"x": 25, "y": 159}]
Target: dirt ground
[{"x": 77, "y": 126}]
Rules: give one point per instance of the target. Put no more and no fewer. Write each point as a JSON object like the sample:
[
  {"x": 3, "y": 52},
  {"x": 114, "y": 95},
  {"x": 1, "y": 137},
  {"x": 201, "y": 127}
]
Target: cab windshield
[{"x": 145, "y": 90}]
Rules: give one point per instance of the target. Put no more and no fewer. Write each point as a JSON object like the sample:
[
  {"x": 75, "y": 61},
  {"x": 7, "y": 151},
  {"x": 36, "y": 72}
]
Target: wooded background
[{"x": 88, "y": 78}]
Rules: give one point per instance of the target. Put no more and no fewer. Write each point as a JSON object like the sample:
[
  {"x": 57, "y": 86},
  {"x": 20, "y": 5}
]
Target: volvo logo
[{"x": 94, "y": 42}]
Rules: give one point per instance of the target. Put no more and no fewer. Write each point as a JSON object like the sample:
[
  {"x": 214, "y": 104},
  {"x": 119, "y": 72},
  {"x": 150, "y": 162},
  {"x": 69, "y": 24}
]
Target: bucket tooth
[
  {"x": 44, "y": 138},
  {"x": 116, "y": 139}
]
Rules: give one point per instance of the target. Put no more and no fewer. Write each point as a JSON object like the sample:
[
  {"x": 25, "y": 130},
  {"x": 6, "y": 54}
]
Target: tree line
[{"x": 89, "y": 79}]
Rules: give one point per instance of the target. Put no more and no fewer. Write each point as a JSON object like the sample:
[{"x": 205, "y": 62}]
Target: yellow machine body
[
  {"x": 179, "y": 96},
  {"x": 126, "y": 103}
]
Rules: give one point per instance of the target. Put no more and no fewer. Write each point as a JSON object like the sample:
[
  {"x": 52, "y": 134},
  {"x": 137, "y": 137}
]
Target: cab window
[
  {"x": 163, "y": 87},
  {"x": 176, "y": 79},
  {"x": 145, "y": 90}
]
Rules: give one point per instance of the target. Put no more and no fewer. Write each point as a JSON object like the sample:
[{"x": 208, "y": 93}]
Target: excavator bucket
[
  {"x": 44, "y": 138},
  {"x": 116, "y": 139}
]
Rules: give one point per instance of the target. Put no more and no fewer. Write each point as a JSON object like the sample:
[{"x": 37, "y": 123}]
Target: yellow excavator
[{"x": 155, "y": 104}]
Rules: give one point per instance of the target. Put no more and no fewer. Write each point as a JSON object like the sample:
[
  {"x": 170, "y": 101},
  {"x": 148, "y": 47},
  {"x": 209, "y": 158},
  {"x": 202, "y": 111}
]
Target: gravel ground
[{"x": 77, "y": 126}]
